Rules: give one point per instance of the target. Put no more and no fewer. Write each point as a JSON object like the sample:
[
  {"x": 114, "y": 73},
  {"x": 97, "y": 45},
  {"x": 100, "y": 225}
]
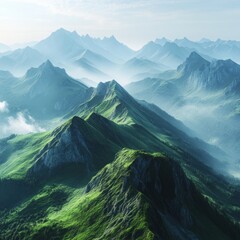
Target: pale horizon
[
  {"x": 136, "y": 47},
  {"x": 133, "y": 23}
]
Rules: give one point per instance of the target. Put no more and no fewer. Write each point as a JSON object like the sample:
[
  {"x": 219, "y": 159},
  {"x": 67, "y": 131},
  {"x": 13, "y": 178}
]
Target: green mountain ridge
[
  {"x": 47, "y": 192},
  {"x": 138, "y": 196},
  {"x": 113, "y": 102}
]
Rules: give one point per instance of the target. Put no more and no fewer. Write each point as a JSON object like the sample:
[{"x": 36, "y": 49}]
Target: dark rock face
[
  {"x": 169, "y": 192},
  {"x": 155, "y": 190},
  {"x": 164, "y": 187},
  {"x": 68, "y": 146}
]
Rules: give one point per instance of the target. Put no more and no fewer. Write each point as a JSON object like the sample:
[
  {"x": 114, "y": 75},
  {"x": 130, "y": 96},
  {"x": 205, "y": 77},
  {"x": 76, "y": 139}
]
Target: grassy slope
[
  {"x": 59, "y": 210},
  {"x": 104, "y": 138},
  {"x": 113, "y": 102},
  {"x": 127, "y": 133},
  {"x": 17, "y": 153},
  {"x": 107, "y": 208}
]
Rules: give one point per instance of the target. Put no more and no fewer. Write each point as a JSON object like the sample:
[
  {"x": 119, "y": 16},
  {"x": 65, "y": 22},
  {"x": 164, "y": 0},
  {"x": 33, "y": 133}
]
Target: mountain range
[
  {"x": 209, "y": 91},
  {"x": 20, "y": 60},
  {"x": 57, "y": 91},
  {"x": 46, "y": 176},
  {"x": 103, "y": 59},
  {"x": 156, "y": 159}
]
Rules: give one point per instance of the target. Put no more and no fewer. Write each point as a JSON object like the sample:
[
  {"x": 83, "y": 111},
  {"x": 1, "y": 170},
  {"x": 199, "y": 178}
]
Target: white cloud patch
[
  {"x": 16, "y": 123},
  {"x": 3, "y": 107},
  {"x": 22, "y": 124},
  {"x": 19, "y": 124}
]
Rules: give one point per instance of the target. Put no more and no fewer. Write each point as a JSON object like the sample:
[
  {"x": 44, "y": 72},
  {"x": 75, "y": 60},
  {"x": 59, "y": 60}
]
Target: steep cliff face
[
  {"x": 76, "y": 144},
  {"x": 156, "y": 199},
  {"x": 164, "y": 182},
  {"x": 168, "y": 193},
  {"x": 68, "y": 146}
]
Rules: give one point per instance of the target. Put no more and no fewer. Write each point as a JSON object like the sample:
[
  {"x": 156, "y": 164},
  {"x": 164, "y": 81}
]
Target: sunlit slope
[
  {"x": 113, "y": 102},
  {"x": 138, "y": 196}
]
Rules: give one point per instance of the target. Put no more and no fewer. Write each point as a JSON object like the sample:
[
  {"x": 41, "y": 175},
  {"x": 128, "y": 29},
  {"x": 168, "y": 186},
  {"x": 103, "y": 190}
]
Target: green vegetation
[
  {"x": 17, "y": 154},
  {"x": 120, "y": 202},
  {"x": 83, "y": 213},
  {"x": 45, "y": 187}
]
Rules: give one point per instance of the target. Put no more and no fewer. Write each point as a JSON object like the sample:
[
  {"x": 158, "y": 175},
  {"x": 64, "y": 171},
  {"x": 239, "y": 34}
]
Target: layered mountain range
[
  {"x": 102, "y": 59},
  {"x": 108, "y": 162},
  {"x": 203, "y": 94}
]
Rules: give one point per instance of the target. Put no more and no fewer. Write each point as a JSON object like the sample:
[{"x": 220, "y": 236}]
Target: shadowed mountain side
[
  {"x": 46, "y": 92},
  {"x": 202, "y": 94}
]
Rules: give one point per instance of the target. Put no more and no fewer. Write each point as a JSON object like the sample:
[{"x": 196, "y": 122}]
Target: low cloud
[
  {"x": 3, "y": 107},
  {"x": 21, "y": 124},
  {"x": 16, "y": 123}
]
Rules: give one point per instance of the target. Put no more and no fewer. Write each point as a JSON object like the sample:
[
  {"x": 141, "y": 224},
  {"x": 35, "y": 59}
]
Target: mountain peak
[
  {"x": 75, "y": 33},
  {"x": 195, "y": 59},
  {"x": 162, "y": 41},
  {"x": 47, "y": 71},
  {"x": 27, "y": 48},
  {"x": 113, "y": 38},
  {"x": 71, "y": 147},
  {"x": 112, "y": 88},
  {"x": 5, "y": 74},
  {"x": 193, "y": 62},
  {"x": 151, "y": 43},
  {"x": 195, "y": 56},
  {"x": 114, "y": 85},
  {"x": 76, "y": 120},
  {"x": 46, "y": 65},
  {"x": 61, "y": 30},
  {"x": 102, "y": 88},
  {"x": 26, "y": 51}
]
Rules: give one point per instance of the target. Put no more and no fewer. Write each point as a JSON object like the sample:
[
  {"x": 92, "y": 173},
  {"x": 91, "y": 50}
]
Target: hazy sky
[{"x": 133, "y": 22}]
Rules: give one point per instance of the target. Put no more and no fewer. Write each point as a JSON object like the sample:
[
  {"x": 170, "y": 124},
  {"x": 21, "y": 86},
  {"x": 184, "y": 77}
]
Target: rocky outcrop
[
  {"x": 67, "y": 146},
  {"x": 135, "y": 180},
  {"x": 168, "y": 190},
  {"x": 164, "y": 181}
]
